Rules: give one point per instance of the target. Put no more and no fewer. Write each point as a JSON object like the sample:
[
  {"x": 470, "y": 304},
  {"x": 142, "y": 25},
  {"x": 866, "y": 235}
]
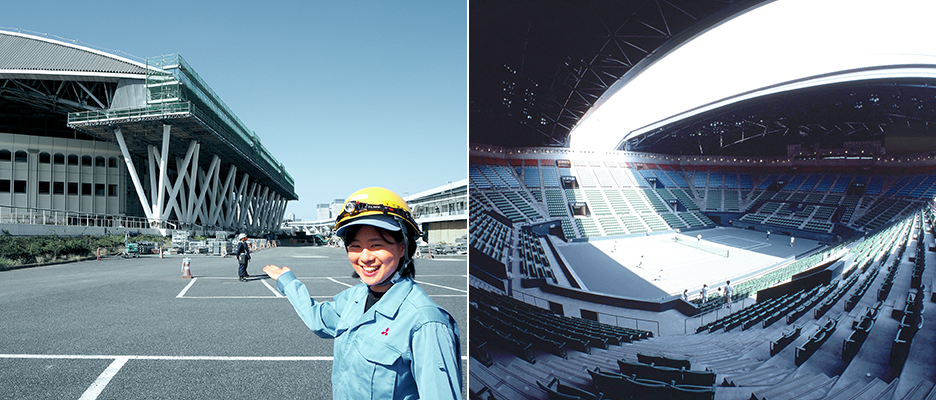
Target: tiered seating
[
  {"x": 633, "y": 224},
  {"x": 806, "y": 350},
  {"x": 755, "y": 218},
  {"x": 842, "y": 184},
  {"x": 477, "y": 179},
  {"x": 677, "y": 179},
  {"x": 860, "y": 331},
  {"x": 556, "y": 204},
  {"x": 522, "y": 202},
  {"x": 636, "y": 201},
  {"x": 505, "y": 206},
  {"x": 674, "y": 221},
  {"x": 618, "y": 205},
  {"x": 576, "y": 333},
  {"x": 550, "y": 177},
  {"x": 809, "y": 183},
  {"x": 714, "y": 199},
  {"x": 786, "y": 222},
  {"x": 905, "y": 190},
  {"x": 745, "y": 182},
  {"x": 596, "y": 202},
  {"x": 825, "y": 184},
  {"x": 703, "y": 218},
  {"x": 818, "y": 226},
  {"x": 784, "y": 340},
  {"x": 533, "y": 262},
  {"x": 658, "y": 205},
  {"x": 489, "y": 235},
  {"x": 604, "y": 179},
  {"x": 731, "y": 201},
  {"x": 654, "y": 221},
  {"x": 875, "y": 186},
  {"x": 585, "y": 177},
  {"x": 588, "y": 227},
  {"x": 911, "y": 320},
  {"x": 531, "y": 177},
  {"x": 685, "y": 199},
  {"x": 641, "y": 388},
  {"x": 556, "y": 390},
  {"x": 611, "y": 226},
  {"x": 621, "y": 178}
]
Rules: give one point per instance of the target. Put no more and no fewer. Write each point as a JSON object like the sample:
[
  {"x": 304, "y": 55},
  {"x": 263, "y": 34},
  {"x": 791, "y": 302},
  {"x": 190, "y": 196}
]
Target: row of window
[
  {"x": 46, "y": 187},
  {"x": 59, "y": 158}
]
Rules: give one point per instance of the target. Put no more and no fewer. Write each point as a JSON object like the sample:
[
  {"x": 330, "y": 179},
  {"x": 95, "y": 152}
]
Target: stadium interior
[{"x": 587, "y": 266}]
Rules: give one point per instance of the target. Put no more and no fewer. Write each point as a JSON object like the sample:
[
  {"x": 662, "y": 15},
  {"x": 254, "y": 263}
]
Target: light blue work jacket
[{"x": 404, "y": 347}]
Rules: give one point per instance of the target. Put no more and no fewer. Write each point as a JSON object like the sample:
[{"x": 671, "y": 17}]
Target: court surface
[
  {"x": 655, "y": 266},
  {"x": 133, "y": 328}
]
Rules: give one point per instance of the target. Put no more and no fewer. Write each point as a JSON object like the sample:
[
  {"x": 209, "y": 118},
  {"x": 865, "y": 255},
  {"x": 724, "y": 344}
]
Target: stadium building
[
  {"x": 614, "y": 195},
  {"x": 91, "y": 142}
]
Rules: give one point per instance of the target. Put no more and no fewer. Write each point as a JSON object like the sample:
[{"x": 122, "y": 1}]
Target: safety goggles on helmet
[
  {"x": 353, "y": 208},
  {"x": 375, "y": 206}
]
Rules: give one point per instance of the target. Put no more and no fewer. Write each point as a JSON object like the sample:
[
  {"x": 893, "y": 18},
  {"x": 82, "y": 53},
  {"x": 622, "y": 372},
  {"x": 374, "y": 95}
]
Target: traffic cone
[{"x": 186, "y": 271}]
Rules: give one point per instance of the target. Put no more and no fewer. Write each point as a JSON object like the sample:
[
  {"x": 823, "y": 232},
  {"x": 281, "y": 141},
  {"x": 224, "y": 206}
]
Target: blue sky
[{"x": 344, "y": 94}]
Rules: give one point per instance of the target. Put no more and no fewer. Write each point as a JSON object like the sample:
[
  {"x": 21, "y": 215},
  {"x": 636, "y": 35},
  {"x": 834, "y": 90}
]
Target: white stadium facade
[
  {"x": 91, "y": 142},
  {"x": 702, "y": 199}
]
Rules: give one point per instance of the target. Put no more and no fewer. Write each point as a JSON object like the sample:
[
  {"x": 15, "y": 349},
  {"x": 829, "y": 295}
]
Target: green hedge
[{"x": 15, "y": 250}]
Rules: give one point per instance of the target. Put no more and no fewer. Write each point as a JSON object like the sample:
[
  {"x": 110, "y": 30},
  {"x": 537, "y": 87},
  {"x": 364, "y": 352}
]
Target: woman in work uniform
[{"x": 391, "y": 340}]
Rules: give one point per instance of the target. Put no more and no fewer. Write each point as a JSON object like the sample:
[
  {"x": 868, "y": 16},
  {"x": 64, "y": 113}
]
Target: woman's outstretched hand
[{"x": 274, "y": 271}]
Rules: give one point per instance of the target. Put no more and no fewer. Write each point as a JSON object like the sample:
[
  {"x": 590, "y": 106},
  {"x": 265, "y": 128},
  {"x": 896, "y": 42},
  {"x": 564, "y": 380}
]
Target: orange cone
[{"x": 186, "y": 271}]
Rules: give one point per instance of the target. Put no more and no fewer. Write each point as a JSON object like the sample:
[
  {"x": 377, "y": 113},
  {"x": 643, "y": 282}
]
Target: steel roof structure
[
  {"x": 96, "y": 95},
  {"x": 598, "y": 47},
  {"x": 536, "y": 68}
]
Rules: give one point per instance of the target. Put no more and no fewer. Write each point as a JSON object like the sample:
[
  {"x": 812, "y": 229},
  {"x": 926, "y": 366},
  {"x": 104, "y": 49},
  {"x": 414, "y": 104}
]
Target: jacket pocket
[{"x": 387, "y": 365}]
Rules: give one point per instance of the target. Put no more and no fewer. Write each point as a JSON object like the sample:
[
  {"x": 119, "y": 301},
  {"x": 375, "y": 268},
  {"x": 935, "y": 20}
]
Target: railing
[
  {"x": 155, "y": 110},
  {"x": 38, "y": 216}
]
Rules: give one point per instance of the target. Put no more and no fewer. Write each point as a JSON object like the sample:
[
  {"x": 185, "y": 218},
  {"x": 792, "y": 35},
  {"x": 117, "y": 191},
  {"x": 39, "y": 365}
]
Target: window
[
  {"x": 21, "y": 156},
  {"x": 4, "y": 186},
  {"x": 86, "y": 161},
  {"x": 85, "y": 189},
  {"x": 45, "y": 187},
  {"x": 112, "y": 162},
  {"x": 19, "y": 186},
  {"x": 72, "y": 159},
  {"x": 112, "y": 190},
  {"x": 73, "y": 188},
  {"x": 58, "y": 187},
  {"x": 99, "y": 189},
  {"x": 5, "y": 155},
  {"x": 45, "y": 158},
  {"x": 99, "y": 161},
  {"x": 59, "y": 159}
]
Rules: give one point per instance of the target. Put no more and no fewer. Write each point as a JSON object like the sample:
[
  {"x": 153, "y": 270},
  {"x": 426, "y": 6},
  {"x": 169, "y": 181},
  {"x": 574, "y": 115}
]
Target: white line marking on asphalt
[
  {"x": 98, "y": 386},
  {"x": 444, "y": 287},
  {"x": 275, "y": 292},
  {"x": 340, "y": 283},
  {"x": 166, "y": 358},
  {"x": 182, "y": 293}
]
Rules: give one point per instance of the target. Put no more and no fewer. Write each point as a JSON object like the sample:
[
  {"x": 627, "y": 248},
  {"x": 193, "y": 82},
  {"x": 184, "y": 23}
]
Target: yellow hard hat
[{"x": 378, "y": 207}]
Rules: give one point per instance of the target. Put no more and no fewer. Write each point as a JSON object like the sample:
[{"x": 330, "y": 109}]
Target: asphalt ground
[{"x": 133, "y": 328}]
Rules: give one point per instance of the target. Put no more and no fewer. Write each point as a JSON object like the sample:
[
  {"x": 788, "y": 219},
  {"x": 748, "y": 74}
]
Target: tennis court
[{"x": 671, "y": 263}]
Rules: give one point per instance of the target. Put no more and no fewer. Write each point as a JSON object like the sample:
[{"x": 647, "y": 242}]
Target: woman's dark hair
[{"x": 408, "y": 269}]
